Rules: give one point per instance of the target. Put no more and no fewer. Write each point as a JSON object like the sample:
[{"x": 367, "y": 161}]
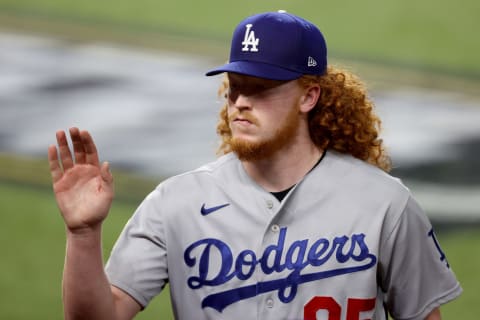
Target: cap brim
[{"x": 256, "y": 69}]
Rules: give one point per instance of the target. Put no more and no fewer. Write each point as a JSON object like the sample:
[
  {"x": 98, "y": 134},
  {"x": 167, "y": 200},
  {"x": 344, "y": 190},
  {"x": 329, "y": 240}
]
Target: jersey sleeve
[
  {"x": 138, "y": 261},
  {"x": 414, "y": 273}
]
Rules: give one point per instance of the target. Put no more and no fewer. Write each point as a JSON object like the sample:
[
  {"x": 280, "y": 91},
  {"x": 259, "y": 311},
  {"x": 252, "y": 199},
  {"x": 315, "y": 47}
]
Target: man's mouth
[{"x": 243, "y": 119}]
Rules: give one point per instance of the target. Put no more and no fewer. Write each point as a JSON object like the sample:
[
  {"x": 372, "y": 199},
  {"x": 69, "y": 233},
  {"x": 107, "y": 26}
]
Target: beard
[{"x": 284, "y": 135}]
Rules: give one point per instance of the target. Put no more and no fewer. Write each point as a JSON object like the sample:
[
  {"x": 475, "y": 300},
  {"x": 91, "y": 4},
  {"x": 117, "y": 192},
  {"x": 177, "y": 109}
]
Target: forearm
[
  {"x": 434, "y": 315},
  {"x": 86, "y": 290}
]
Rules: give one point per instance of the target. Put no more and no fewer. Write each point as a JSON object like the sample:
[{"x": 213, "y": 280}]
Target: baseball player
[{"x": 298, "y": 218}]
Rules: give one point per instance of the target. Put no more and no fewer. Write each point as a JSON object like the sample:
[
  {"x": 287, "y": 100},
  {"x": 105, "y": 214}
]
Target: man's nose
[{"x": 241, "y": 101}]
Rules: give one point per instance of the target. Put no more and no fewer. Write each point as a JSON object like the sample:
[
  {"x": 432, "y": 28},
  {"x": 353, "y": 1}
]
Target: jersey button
[
  {"x": 269, "y": 303},
  {"x": 275, "y": 228},
  {"x": 269, "y": 204}
]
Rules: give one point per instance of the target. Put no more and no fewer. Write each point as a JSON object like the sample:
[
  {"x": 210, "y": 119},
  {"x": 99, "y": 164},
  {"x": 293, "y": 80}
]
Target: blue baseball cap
[{"x": 276, "y": 46}]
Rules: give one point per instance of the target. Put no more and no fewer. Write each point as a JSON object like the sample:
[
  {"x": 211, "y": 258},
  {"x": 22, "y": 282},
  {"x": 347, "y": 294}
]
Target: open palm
[{"x": 83, "y": 188}]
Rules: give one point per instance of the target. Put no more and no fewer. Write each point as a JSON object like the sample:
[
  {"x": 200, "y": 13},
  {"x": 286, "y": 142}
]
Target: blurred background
[{"x": 132, "y": 73}]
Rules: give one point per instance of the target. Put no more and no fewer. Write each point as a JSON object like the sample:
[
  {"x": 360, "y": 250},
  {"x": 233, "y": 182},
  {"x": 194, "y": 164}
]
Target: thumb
[{"x": 105, "y": 172}]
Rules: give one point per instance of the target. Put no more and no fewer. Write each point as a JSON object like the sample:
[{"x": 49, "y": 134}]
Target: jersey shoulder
[
  {"x": 216, "y": 175},
  {"x": 346, "y": 179},
  {"x": 360, "y": 175}
]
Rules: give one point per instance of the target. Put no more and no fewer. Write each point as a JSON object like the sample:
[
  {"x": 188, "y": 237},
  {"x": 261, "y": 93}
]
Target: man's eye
[{"x": 231, "y": 93}]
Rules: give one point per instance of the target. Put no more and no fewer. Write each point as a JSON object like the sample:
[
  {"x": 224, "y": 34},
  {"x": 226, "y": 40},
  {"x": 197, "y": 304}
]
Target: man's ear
[{"x": 310, "y": 98}]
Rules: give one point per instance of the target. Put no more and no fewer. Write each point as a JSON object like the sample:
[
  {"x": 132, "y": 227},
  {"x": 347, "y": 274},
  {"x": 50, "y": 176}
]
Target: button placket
[
  {"x": 269, "y": 204},
  {"x": 269, "y": 303},
  {"x": 275, "y": 228}
]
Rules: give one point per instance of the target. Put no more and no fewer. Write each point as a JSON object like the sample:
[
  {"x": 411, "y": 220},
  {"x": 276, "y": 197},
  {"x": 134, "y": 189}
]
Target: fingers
[
  {"x": 84, "y": 149},
  {"x": 64, "y": 150},
  {"x": 91, "y": 154},
  {"x": 55, "y": 169},
  {"x": 78, "y": 148}
]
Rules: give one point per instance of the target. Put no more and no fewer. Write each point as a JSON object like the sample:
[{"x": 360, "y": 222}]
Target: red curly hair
[{"x": 343, "y": 119}]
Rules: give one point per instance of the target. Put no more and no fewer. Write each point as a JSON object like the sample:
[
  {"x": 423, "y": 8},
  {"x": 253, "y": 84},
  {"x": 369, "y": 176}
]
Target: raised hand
[{"x": 83, "y": 188}]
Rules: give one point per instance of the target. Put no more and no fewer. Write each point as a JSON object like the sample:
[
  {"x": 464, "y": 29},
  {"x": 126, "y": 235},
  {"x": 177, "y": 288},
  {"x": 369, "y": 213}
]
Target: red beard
[{"x": 285, "y": 134}]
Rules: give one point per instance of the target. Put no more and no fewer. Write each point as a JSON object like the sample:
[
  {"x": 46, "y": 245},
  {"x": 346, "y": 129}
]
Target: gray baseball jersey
[{"x": 347, "y": 242}]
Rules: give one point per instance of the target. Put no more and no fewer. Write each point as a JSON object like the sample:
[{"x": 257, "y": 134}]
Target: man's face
[{"x": 263, "y": 115}]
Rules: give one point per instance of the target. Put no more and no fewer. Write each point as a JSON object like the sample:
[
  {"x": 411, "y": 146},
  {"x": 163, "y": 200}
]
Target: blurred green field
[
  {"x": 430, "y": 34},
  {"x": 33, "y": 252}
]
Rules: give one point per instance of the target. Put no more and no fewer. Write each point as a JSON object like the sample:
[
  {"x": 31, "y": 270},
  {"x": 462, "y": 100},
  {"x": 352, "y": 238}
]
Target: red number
[
  {"x": 354, "y": 308},
  {"x": 322, "y": 303}
]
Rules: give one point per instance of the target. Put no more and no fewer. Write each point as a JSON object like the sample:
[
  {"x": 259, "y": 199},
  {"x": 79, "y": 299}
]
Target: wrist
[{"x": 87, "y": 232}]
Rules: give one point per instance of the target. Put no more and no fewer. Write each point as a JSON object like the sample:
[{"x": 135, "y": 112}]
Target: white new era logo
[
  {"x": 250, "y": 40},
  {"x": 311, "y": 62}
]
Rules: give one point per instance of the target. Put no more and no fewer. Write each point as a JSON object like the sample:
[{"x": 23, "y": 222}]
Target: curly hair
[{"x": 343, "y": 119}]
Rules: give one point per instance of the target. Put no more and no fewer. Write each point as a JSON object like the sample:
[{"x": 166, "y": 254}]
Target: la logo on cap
[{"x": 250, "y": 40}]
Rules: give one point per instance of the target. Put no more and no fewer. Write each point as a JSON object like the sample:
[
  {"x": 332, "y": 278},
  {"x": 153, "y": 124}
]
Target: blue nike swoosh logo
[{"x": 204, "y": 211}]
